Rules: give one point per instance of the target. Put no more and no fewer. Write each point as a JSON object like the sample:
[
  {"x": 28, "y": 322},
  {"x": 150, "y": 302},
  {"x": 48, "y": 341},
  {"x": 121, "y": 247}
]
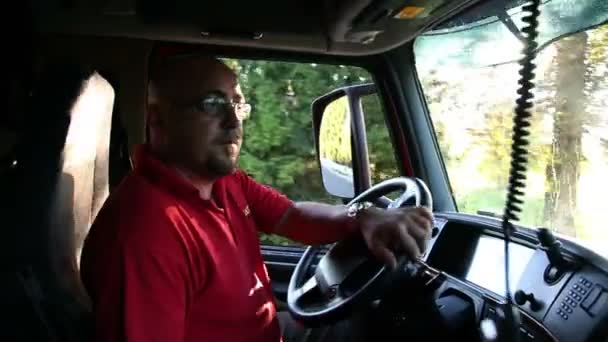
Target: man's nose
[{"x": 231, "y": 119}]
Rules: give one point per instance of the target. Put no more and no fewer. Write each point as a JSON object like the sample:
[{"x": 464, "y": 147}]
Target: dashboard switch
[
  {"x": 562, "y": 314},
  {"x": 586, "y": 283},
  {"x": 521, "y": 298},
  {"x": 592, "y": 299}
]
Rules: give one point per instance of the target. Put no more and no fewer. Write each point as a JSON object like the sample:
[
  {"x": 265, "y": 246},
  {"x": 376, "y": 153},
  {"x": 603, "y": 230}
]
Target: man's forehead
[
  {"x": 197, "y": 73},
  {"x": 201, "y": 68}
]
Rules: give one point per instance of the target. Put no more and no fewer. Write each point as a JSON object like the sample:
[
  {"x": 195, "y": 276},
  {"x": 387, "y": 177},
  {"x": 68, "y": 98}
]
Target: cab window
[
  {"x": 470, "y": 92},
  {"x": 278, "y": 146}
]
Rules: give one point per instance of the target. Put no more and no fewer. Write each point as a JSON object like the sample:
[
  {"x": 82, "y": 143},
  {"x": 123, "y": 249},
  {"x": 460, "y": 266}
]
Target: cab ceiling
[{"x": 339, "y": 27}]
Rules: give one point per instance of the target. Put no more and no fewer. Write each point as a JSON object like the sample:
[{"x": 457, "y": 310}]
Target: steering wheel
[{"x": 347, "y": 275}]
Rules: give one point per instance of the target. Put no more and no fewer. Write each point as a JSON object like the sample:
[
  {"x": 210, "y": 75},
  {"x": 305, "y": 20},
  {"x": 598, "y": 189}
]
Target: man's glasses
[{"x": 217, "y": 105}]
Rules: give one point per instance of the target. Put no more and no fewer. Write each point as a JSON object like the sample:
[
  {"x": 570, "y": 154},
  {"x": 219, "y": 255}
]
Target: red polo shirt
[{"x": 162, "y": 264}]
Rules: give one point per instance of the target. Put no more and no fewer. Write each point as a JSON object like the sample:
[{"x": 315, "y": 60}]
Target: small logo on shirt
[{"x": 246, "y": 211}]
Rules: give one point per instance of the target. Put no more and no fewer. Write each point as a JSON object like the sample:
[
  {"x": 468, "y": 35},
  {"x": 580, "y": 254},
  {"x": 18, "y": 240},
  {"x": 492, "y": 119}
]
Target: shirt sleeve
[
  {"x": 267, "y": 204},
  {"x": 151, "y": 295}
]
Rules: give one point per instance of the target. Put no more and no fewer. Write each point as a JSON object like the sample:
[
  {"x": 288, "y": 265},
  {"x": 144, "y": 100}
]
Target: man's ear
[
  {"x": 153, "y": 115},
  {"x": 153, "y": 102},
  {"x": 154, "y": 123}
]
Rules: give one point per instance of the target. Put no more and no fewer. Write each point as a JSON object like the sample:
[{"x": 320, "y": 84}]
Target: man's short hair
[{"x": 161, "y": 56}]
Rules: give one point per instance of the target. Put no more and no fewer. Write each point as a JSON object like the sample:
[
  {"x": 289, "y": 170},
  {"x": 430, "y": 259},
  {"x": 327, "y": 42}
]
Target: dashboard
[
  {"x": 565, "y": 303},
  {"x": 487, "y": 267}
]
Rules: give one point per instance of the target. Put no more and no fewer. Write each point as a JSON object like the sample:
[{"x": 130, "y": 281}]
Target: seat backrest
[
  {"x": 82, "y": 184},
  {"x": 59, "y": 185}
]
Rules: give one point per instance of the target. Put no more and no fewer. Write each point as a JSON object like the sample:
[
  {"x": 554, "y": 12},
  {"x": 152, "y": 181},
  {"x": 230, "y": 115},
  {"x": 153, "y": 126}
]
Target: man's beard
[
  {"x": 222, "y": 161},
  {"x": 220, "y": 165},
  {"x": 219, "y": 158}
]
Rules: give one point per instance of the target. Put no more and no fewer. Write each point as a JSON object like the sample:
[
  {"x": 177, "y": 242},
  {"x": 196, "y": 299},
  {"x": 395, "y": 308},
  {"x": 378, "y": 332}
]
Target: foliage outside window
[
  {"x": 278, "y": 147},
  {"x": 382, "y": 160},
  {"x": 471, "y": 107}
]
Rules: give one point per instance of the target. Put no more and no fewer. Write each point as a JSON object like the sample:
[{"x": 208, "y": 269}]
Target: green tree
[
  {"x": 596, "y": 77},
  {"x": 278, "y": 148},
  {"x": 383, "y": 164},
  {"x": 563, "y": 169},
  {"x": 279, "y": 144}
]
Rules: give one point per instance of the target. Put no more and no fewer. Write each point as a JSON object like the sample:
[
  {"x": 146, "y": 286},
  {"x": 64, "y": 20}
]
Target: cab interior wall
[{"x": 124, "y": 62}]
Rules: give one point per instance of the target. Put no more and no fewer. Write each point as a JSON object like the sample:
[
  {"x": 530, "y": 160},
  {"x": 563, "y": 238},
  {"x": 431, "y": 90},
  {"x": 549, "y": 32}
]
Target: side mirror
[{"x": 340, "y": 136}]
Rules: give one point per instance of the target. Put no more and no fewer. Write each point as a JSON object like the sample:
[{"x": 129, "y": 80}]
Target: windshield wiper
[
  {"x": 489, "y": 214},
  {"x": 504, "y": 18}
]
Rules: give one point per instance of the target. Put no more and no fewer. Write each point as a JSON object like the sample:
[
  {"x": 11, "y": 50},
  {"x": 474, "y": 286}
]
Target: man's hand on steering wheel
[
  {"x": 402, "y": 231},
  {"x": 344, "y": 277}
]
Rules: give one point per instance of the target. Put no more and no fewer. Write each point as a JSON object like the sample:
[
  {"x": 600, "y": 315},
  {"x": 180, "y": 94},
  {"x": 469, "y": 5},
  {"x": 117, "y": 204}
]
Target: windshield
[{"x": 469, "y": 75}]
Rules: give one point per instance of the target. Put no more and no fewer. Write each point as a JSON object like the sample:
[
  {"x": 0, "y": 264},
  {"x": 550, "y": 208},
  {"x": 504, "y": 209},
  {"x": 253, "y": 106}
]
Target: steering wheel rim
[{"x": 324, "y": 292}]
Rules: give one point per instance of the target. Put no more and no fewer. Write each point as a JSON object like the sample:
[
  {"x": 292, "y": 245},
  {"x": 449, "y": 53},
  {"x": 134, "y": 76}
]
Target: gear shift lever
[{"x": 552, "y": 247}]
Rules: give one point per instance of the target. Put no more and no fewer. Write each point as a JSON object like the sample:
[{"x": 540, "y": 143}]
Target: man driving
[{"x": 174, "y": 253}]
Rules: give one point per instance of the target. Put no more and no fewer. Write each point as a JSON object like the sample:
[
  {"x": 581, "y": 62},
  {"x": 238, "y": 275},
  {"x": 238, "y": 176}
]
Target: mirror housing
[{"x": 340, "y": 140}]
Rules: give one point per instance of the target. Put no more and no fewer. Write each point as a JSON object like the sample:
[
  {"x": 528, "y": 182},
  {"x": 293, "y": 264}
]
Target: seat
[
  {"x": 53, "y": 192},
  {"x": 120, "y": 157}
]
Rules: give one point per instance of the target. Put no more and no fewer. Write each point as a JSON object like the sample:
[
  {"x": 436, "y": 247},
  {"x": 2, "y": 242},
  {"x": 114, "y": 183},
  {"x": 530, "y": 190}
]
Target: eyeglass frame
[{"x": 205, "y": 105}]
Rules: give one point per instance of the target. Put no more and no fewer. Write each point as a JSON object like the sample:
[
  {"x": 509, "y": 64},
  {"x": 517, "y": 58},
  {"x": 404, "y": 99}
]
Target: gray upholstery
[
  {"x": 51, "y": 197},
  {"x": 82, "y": 184}
]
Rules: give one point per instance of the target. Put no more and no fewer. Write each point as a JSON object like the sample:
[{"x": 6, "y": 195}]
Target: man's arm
[
  {"x": 386, "y": 232},
  {"x": 315, "y": 223}
]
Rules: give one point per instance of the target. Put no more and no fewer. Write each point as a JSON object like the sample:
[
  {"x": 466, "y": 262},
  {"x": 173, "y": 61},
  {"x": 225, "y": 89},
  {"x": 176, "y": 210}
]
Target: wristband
[{"x": 355, "y": 209}]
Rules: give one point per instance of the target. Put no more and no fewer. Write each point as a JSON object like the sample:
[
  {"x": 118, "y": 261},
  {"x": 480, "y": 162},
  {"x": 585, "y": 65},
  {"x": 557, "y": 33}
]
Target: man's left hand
[{"x": 396, "y": 231}]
